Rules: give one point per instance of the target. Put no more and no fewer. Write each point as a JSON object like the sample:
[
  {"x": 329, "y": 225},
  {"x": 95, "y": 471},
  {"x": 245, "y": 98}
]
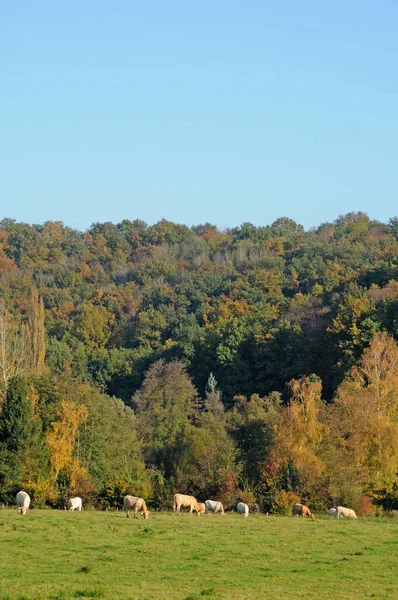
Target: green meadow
[{"x": 59, "y": 555}]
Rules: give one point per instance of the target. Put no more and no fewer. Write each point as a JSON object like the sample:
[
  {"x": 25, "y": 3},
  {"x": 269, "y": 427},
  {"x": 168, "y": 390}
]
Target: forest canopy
[{"x": 233, "y": 363}]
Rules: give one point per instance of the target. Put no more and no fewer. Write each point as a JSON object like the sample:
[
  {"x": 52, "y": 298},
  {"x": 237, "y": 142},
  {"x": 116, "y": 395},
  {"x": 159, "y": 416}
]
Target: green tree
[
  {"x": 22, "y": 454},
  {"x": 16, "y": 420},
  {"x": 165, "y": 404}
]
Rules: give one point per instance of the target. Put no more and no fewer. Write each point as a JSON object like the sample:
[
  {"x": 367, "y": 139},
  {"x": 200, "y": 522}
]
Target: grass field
[{"x": 60, "y": 555}]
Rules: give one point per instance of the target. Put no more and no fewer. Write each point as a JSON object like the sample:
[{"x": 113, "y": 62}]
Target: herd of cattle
[{"x": 138, "y": 505}]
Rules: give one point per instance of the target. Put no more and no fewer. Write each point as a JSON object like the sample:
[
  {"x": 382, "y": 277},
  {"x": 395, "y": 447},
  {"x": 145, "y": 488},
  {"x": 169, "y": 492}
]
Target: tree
[
  {"x": 61, "y": 439},
  {"x": 364, "y": 419},
  {"x": 22, "y": 454},
  {"x": 92, "y": 325},
  {"x": 108, "y": 440},
  {"x": 165, "y": 403},
  {"x": 16, "y": 419},
  {"x": 13, "y": 347},
  {"x": 36, "y": 335},
  {"x": 252, "y": 424},
  {"x": 300, "y": 431}
]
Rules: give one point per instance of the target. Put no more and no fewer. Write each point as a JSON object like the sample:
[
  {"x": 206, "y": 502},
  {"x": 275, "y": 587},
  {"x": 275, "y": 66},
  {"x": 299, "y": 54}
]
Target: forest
[{"x": 254, "y": 363}]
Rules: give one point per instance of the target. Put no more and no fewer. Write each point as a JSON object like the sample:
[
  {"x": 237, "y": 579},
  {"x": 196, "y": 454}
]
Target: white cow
[
  {"x": 242, "y": 509},
  {"x": 23, "y": 502},
  {"x": 75, "y": 504},
  {"x": 333, "y": 512},
  {"x": 214, "y": 507},
  {"x": 346, "y": 512}
]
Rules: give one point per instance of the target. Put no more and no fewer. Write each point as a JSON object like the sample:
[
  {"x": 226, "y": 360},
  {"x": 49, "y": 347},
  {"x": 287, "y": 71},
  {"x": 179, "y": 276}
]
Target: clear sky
[{"x": 213, "y": 110}]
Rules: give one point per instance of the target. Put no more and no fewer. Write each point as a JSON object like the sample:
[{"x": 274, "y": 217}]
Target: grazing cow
[
  {"x": 302, "y": 511},
  {"x": 136, "y": 504},
  {"x": 346, "y": 512},
  {"x": 181, "y": 500},
  {"x": 202, "y": 507},
  {"x": 333, "y": 512},
  {"x": 23, "y": 502},
  {"x": 74, "y": 504},
  {"x": 242, "y": 509},
  {"x": 214, "y": 507}
]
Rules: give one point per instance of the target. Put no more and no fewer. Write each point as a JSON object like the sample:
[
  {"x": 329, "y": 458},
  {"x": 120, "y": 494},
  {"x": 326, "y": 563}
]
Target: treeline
[{"x": 255, "y": 363}]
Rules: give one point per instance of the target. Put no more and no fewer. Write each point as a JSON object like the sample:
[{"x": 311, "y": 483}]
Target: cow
[
  {"x": 181, "y": 500},
  {"x": 23, "y": 502},
  {"x": 242, "y": 509},
  {"x": 136, "y": 504},
  {"x": 302, "y": 511},
  {"x": 333, "y": 512},
  {"x": 346, "y": 512},
  {"x": 74, "y": 504},
  {"x": 202, "y": 507},
  {"x": 214, "y": 507}
]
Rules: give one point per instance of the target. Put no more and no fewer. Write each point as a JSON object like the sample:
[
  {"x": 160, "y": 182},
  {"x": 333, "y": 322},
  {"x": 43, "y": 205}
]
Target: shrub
[
  {"x": 42, "y": 492},
  {"x": 247, "y": 496},
  {"x": 113, "y": 492},
  {"x": 368, "y": 509},
  {"x": 350, "y": 496},
  {"x": 283, "y": 502}
]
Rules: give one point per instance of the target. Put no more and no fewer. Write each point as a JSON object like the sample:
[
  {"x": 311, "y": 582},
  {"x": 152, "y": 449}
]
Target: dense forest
[{"x": 255, "y": 363}]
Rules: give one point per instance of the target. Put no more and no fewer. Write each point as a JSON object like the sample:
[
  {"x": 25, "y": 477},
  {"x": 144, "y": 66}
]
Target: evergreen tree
[{"x": 16, "y": 420}]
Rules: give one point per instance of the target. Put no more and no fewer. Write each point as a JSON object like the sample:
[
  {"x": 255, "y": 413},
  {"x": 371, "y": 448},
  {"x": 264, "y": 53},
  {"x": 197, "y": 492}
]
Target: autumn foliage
[{"x": 255, "y": 362}]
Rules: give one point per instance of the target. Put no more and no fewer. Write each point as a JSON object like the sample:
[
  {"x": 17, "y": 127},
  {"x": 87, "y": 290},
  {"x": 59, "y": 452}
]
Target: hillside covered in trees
[{"x": 257, "y": 363}]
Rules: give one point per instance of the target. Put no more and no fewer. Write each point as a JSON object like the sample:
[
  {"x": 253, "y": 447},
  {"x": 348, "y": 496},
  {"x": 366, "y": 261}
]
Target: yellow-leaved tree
[
  {"x": 62, "y": 440},
  {"x": 300, "y": 430},
  {"x": 364, "y": 418}
]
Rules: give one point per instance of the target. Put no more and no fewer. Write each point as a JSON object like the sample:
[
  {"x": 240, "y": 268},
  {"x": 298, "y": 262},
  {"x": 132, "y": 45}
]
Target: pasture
[{"x": 59, "y": 555}]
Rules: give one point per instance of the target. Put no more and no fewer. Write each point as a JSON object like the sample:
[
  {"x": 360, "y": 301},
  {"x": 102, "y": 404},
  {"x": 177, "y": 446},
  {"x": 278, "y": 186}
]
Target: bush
[
  {"x": 42, "y": 492},
  {"x": 113, "y": 492},
  {"x": 351, "y": 497},
  {"x": 283, "y": 502},
  {"x": 368, "y": 509},
  {"x": 247, "y": 496}
]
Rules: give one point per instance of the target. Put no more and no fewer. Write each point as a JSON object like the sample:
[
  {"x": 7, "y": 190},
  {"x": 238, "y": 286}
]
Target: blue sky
[{"x": 198, "y": 111}]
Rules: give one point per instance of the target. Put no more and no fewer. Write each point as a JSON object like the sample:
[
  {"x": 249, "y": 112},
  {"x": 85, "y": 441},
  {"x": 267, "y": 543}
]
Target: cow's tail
[{"x": 174, "y": 505}]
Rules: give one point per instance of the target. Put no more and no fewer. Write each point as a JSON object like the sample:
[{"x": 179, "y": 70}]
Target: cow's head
[
  {"x": 22, "y": 510},
  {"x": 145, "y": 514}
]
